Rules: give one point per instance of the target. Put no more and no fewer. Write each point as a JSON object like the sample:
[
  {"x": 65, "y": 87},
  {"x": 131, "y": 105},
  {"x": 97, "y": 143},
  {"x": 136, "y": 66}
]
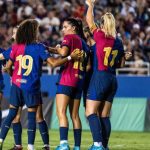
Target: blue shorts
[
  {"x": 103, "y": 86},
  {"x": 19, "y": 97},
  {"x": 72, "y": 92},
  {"x": 1, "y": 86}
]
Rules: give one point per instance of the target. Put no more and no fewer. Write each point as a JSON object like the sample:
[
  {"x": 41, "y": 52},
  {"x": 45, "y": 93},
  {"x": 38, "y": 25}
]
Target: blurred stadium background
[{"x": 131, "y": 109}]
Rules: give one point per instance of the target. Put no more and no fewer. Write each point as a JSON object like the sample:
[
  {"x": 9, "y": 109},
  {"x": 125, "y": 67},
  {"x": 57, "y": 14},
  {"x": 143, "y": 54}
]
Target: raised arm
[{"x": 90, "y": 14}]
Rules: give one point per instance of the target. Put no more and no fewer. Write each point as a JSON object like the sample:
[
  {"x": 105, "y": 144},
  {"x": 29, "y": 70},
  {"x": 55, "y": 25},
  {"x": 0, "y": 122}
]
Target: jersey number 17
[{"x": 108, "y": 51}]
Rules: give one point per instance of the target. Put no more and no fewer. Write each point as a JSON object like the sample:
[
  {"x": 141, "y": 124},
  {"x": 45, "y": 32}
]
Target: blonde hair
[{"x": 108, "y": 24}]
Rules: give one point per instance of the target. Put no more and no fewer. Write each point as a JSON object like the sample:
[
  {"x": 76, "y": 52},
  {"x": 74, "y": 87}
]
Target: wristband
[{"x": 69, "y": 58}]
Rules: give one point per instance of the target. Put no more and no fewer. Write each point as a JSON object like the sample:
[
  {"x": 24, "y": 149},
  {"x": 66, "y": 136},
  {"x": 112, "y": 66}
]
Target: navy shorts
[
  {"x": 103, "y": 86},
  {"x": 1, "y": 86},
  {"x": 19, "y": 97},
  {"x": 72, "y": 92}
]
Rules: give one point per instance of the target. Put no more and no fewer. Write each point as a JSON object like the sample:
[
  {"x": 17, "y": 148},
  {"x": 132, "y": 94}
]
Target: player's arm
[
  {"x": 63, "y": 51},
  {"x": 1, "y": 56},
  {"x": 127, "y": 56},
  {"x": 8, "y": 67},
  {"x": 90, "y": 15},
  {"x": 122, "y": 63},
  {"x": 52, "y": 50},
  {"x": 55, "y": 62},
  {"x": 58, "y": 50}
]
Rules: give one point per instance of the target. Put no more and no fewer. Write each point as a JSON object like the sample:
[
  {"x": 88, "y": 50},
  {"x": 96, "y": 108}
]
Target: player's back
[
  {"x": 27, "y": 65},
  {"x": 109, "y": 51}
]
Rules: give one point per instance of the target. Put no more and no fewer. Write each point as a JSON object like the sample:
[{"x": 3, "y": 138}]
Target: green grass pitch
[{"x": 118, "y": 140}]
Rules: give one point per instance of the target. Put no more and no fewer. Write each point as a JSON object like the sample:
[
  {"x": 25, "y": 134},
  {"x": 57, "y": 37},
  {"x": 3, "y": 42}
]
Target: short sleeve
[
  {"x": 66, "y": 42},
  {"x": 121, "y": 48},
  {"x": 6, "y": 53},
  {"x": 43, "y": 52}
]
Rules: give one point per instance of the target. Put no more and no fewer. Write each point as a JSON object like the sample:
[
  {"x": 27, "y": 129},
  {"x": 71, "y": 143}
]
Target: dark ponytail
[{"x": 80, "y": 29}]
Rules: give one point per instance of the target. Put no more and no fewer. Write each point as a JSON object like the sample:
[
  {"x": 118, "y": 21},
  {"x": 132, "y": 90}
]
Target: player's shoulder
[
  {"x": 99, "y": 30},
  {"x": 99, "y": 35},
  {"x": 118, "y": 39},
  {"x": 119, "y": 43},
  {"x": 16, "y": 46},
  {"x": 2, "y": 50},
  {"x": 67, "y": 38},
  {"x": 70, "y": 36},
  {"x": 40, "y": 46}
]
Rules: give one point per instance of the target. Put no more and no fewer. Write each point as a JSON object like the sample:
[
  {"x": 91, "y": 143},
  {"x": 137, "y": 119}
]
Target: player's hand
[
  {"x": 76, "y": 54},
  {"x": 58, "y": 46},
  {"x": 128, "y": 55},
  {"x": 5, "y": 69},
  {"x": 90, "y": 2}
]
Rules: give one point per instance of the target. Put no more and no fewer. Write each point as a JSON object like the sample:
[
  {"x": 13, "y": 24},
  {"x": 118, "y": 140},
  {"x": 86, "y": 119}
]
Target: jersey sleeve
[
  {"x": 43, "y": 52},
  {"x": 122, "y": 49},
  {"x": 66, "y": 42},
  {"x": 6, "y": 53}
]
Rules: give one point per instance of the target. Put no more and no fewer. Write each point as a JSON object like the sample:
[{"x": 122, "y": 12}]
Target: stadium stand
[{"x": 133, "y": 23}]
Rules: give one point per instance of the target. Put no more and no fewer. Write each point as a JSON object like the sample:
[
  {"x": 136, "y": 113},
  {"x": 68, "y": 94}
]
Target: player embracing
[
  {"x": 103, "y": 84},
  {"x": 69, "y": 87},
  {"x": 27, "y": 57}
]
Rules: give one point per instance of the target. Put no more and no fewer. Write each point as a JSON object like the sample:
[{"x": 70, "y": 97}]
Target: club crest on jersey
[{"x": 64, "y": 41}]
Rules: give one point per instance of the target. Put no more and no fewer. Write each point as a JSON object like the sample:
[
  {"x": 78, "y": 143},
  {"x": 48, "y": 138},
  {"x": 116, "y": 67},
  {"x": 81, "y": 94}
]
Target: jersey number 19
[{"x": 25, "y": 62}]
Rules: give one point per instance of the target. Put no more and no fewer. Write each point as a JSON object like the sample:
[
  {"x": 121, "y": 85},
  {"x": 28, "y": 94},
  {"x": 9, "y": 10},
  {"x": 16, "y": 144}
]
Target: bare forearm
[
  {"x": 90, "y": 16},
  {"x": 122, "y": 62},
  {"x": 60, "y": 62},
  {"x": 52, "y": 50},
  {"x": 62, "y": 52},
  {"x": 55, "y": 62}
]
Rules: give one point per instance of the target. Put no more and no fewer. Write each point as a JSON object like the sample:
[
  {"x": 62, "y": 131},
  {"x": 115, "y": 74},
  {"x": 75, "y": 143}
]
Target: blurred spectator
[{"x": 132, "y": 20}]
